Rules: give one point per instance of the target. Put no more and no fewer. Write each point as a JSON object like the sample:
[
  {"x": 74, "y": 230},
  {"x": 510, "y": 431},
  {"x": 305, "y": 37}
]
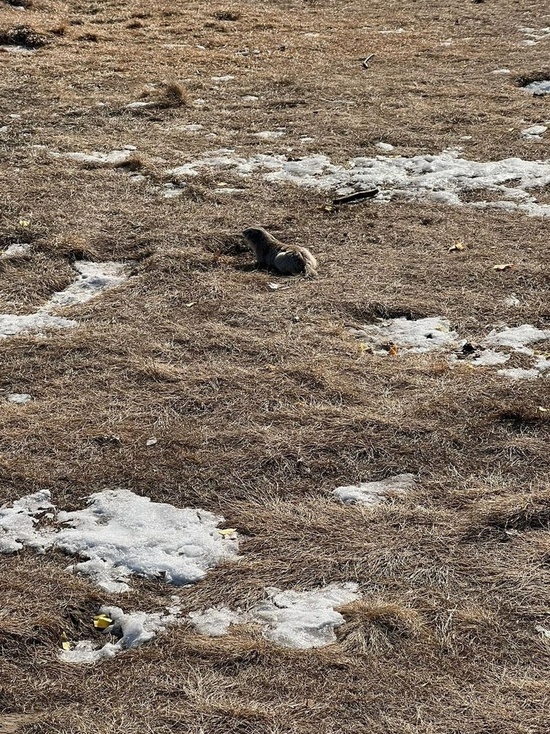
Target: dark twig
[{"x": 356, "y": 196}]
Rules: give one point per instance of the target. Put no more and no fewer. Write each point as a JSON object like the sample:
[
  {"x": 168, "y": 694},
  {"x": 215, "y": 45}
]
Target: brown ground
[{"x": 261, "y": 400}]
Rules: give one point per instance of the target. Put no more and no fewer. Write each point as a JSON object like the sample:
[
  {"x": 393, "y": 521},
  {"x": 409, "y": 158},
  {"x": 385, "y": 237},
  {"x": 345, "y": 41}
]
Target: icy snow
[
  {"x": 18, "y": 521},
  {"x": 114, "y": 158},
  {"x": 121, "y": 533},
  {"x": 373, "y": 493},
  {"x": 422, "y": 335},
  {"x": 440, "y": 177},
  {"x": 20, "y": 398},
  {"x": 226, "y": 78},
  {"x": 93, "y": 278},
  {"x": 534, "y": 132},
  {"x": 517, "y": 337},
  {"x": 537, "y": 88},
  {"x": 298, "y": 619},
  {"x": 133, "y": 630},
  {"x": 269, "y": 134},
  {"x": 15, "y": 250},
  {"x": 214, "y": 622}
]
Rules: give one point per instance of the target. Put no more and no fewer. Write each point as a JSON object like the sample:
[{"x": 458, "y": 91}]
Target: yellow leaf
[
  {"x": 543, "y": 410},
  {"x": 24, "y": 222},
  {"x": 227, "y": 531},
  {"x": 66, "y": 645},
  {"x": 457, "y": 246},
  {"x": 102, "y": 621}
]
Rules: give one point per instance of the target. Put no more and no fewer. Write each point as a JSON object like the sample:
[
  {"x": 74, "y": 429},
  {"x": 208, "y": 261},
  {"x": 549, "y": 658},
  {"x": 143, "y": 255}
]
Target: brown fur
[{"x": 286, "y": 259}]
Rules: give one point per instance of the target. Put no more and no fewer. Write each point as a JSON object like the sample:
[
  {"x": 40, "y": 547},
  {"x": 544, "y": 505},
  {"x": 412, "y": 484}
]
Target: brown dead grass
[{"x": 261, "y": 401}]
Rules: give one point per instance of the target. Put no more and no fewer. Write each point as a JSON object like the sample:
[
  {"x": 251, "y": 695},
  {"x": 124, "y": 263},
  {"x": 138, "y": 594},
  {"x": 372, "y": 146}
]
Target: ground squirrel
[{"x": 286, "y": 259}]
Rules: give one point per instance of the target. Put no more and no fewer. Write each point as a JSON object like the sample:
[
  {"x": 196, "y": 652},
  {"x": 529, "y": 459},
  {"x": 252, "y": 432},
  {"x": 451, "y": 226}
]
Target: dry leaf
[
  {"x": 151, "y": 441},
  {"x": 504, "y": 266},
  {"x": 393, "y": 351},
  {"x": 457, "y": 246}
]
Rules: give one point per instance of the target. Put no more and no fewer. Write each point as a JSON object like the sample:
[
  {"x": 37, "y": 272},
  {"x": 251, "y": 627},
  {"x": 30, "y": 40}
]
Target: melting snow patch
[
  {"x": 16, "y": 250},
  {"x": 535, "y": 132},
  {"x": 114, "y": 158},
  {"x": 501, "y": 71},
  {"x": 539, "y": 88},
  {"x": 18, "y": 523},
  {"x": 269, "y": 134},
  {"x": 422, "y": 335},
  {"x": 19, "y": 398},
  {"x": 226, "y": 78},
  {"x": 517, "y": 337},
  {"x": 440, "y": 177},
  {"x": 373, "y": 493},
  {"x": 384, "y": 146},
  {"x": 535, "y": 35},
  {"x": 214, "y": 622},
  {"x": 93, "y": 279},
  {"x": 298, "y": 619},
  {"x": 121, "y": 534},
  {"x": 132, "y": 629}
]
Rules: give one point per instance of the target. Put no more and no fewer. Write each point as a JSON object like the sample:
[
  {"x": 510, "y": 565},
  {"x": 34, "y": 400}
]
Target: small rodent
[{"x": 286, "y": 259}]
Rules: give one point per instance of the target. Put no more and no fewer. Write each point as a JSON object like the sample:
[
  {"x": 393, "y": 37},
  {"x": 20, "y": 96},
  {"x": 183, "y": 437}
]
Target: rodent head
[{"x": 254, "y": 234}]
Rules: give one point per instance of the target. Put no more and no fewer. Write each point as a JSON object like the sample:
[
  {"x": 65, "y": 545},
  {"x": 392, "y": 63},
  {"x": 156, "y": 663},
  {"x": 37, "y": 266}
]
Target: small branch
[{"x": 366, "y": 61}]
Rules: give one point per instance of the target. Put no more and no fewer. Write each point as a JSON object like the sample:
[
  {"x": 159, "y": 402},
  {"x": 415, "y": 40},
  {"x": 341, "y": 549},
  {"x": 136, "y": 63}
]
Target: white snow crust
[
  {"x": 92, "y": 279},
  {"x": 440, "y": 177},
  {"x": 214, "y": 622},
  {"x": 517, "y": 337},
  {"x": 298, "y": 619},
  {"x": 133, "y": 629},
  {"x": 121, "y": 531},
  {"x": 120, "y": 534},
  {"x": 113, "y": 158},
  {"x": 19, "y": 398},
  {"x": 416, "y": 336},
  {"x": 15, "y": 250},
  {"x": 373, "y": 493},
  {"x": 542, "y": 87},
  {"x": 18, "y": 523}
]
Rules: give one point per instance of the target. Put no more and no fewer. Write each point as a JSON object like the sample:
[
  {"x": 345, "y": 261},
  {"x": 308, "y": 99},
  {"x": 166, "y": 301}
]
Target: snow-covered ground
[
  {"x": 394, "y": 337},
  {"x": 120, "y": 534},
  {"x": 91, "y": 280},
  {"x": 373, "y": 493},
  {"x": 299, "y": 619}
]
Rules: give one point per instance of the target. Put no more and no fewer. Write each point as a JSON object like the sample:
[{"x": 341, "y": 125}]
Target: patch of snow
[
  {"x": 13, "y": 49},
  {"x": 440, "y": 177},
  {"x": 250, "y": 98},
  {"x": 214, "y": 622},
  {"x": 304, "y": 619},
  {"x": 384, "y": 146},
  {"x": 19, "y": 398},
  {"x": 519, "y": 373},
  {"x": 133, "y": 630},
  {"x": 512, "y": 300},
  {"x": 269, "y": 134},
  {"x": 298, "y": 619},
  {"x": 11, "y": 324},
  {"x": 534, "y": 132},
  {"x": 397, "y": 30},
  {"x": 15, "y": 250},
  {"x": 417, "y": 336},
  {"x": 517, "y": 337},
  {"x": 490, "y": 358},
  {"x": 138, "y": 105},
  {"x": 120, "y": 531},
  {"x": 18, "y": 523},
  {"x": 226, "y": 78},
  {"x": 536, "y": 35},
  {"x": 373, "y": 493},
  {"x": 114, "y": 158},
  {"x": 193, "y": 128},
  {"x": 501, "y": 71},
  {"x": 93, "y": 279},
  {"x": 539, "y": 88}
]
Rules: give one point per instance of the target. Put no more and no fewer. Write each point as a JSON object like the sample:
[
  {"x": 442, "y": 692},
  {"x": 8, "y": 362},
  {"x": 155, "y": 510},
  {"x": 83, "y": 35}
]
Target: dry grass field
[{"x": 262, "y": 401}]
